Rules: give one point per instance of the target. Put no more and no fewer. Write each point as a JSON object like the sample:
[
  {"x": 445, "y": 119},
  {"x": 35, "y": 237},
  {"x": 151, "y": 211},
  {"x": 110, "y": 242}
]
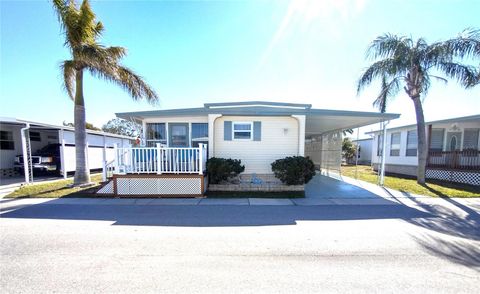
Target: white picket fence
[{"x": 157, "y": 160}]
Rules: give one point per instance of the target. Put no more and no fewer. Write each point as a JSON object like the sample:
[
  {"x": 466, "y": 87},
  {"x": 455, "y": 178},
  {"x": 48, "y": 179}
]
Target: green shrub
[
  {"x": 294, "y": 170},
  {"x": 222, "y": 169}
]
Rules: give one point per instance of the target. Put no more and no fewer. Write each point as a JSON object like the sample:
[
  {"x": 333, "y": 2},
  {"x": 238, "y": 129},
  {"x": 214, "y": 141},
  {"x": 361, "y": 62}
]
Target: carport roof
[
  {"x": 318, "y": 121},
  {"x": 39, "y": 125}
]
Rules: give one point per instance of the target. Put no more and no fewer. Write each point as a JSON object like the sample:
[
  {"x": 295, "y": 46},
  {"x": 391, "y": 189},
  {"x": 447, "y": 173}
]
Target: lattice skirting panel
[
  {"x": 159, "y": 186},
  {"x": 464, "y": 177}
]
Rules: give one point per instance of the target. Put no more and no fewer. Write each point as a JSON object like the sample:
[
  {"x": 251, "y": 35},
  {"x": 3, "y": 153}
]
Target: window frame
[
  {"x": 35, "y": 138},
  {"x": 152, "y": 142},
  {"x": 416, "y": 145},
  {"x": 9, "y": 139},
  {"x": 242, "y": 131},
  {"x": 196, "y": 141},
  {"x": 399, "y": 144}
]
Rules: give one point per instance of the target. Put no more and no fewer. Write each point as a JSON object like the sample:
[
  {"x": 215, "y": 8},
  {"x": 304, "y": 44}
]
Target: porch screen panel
[
  {"x": 331, "y": 152},
  {"x": 436, "y": 141},
  {"x": 199, "y": 134},
  {"x": 156, "y": 134},
  {"x": 470, "y": 139}
]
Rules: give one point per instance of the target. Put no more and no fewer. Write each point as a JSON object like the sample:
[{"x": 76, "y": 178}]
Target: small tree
[
  {"x": 122, "y": 127},
  {"x": 349, "y": 149},
  {"x": 88, "y": 126}
]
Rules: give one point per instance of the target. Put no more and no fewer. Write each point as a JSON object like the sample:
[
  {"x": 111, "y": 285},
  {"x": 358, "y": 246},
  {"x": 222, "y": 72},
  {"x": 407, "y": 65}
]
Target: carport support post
[
  {"x": 384, "y": 154},
  {"x": 116, "y": 156},
  {"x": 62, "y": 155}
]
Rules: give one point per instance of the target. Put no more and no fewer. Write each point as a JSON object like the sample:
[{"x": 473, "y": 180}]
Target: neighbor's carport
[{"x": 26, "y": 137}]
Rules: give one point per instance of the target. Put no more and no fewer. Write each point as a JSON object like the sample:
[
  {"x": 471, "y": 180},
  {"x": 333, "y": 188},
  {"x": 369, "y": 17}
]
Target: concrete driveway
[{"x": 326, "y": 187}]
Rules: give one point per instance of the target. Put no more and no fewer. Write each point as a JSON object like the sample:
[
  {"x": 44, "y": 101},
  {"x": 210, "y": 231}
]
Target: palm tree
[
  {"x": 81, "y": 31},
  {"x": 402, "y": 61}
]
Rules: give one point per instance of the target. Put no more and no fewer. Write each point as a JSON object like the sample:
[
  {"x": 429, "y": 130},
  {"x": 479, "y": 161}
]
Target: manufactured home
[
  {"x": 22, "y": 139},
  {"x": 453, "y": 150},
  {"x": 364, "y": 151},
  {"x": 176, "y": 143}
]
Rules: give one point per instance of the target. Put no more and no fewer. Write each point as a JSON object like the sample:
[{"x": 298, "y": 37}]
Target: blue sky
[{"x": 192, "y": 52}]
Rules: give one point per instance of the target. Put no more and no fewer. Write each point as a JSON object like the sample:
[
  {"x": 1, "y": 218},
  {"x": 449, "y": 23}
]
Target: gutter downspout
[{"x": 27, "y": 159}]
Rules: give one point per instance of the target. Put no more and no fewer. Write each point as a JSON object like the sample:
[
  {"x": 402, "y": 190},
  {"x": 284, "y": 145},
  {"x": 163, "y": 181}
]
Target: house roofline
[
  {"x": 257, "y": 103},
  {"x": 454, "y": 119},
  {"x": 263, "y": 110},
  {"x": 16, "y": 121}
]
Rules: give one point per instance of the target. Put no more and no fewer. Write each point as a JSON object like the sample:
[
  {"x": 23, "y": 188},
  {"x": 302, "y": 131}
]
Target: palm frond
[
  {"x": 68, "y": 70},
  {"x": 388, "y": 90},
  {"x": 467, "y": 76},
  {"x": 389, "y": 68},
  {"x": 126, "y": 79},
  {"x": 467, "y": 44},
  {"x": 388, "y": 46}
]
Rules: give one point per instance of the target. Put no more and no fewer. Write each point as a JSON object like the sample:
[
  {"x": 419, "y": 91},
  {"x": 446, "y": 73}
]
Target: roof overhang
[
  {"x": 324, "y": 121},
  {"x": 45, "y": 127},
  {"x": 318, "y": 121}
]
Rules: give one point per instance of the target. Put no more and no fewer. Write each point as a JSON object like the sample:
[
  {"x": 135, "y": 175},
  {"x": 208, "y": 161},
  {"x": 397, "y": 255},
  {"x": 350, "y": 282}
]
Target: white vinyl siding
[
  {"x": 395, "y": 144},
  {"x": 279, "y": 139},
  {"x": 412, "y": 143}
]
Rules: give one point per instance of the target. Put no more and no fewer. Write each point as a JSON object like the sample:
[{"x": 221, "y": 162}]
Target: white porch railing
[{"x": 160, "y": 160}]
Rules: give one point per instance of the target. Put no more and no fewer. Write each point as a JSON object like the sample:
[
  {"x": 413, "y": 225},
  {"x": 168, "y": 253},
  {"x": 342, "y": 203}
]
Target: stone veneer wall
[{"x": 244, "y": 183}]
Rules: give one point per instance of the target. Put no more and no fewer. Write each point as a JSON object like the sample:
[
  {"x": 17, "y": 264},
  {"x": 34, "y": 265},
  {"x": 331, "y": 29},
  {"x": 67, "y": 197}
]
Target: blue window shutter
[
  {"x": 257, "y": 131},
  {"x": 227, "y": 130}
]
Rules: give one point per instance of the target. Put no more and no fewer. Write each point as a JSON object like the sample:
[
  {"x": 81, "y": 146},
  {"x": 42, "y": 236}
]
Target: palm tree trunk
[
  {"x": 82, "y": 173},
  {"x": 422, "y": 140}
]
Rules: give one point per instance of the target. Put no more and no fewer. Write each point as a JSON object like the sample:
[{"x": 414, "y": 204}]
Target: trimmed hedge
[
  {"x": 294, "y": 170},
  {"x": 222, "y": 169}
]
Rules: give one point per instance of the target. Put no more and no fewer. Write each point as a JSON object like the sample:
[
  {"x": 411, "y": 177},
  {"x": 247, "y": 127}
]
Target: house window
[
  {"x": 412, "y": 141},
  {"x": 242, "y": 130},
  {"x": 470, "y": 139},
  {"x": 379, "y": 145},
  {"x": 436, "y": 140},
  {"x": 156, "y": 134},
  {"x": 35, "y": 136},
  {"x": 395, "y": 144},
  {"x": 199, "y": 134},
  {"x": 6, "y": 140}
]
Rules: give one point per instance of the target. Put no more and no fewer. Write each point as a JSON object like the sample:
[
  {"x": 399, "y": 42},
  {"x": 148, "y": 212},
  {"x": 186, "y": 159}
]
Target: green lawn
[
  {"x": 56, "y": 189},
  {"x": 432, "y": 188}
]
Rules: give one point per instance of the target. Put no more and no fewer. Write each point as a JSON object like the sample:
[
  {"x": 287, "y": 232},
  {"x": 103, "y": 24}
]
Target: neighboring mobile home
[
  {"x": 257, "y": 133},
  {"x": 61, "y": 139},
  {"x": 364, "y": 151},
  {"x": 453, "y": 150}
]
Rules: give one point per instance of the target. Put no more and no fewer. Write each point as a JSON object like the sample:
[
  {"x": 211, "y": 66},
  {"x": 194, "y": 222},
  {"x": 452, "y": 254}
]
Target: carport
[{"x": 25, "y": 138}]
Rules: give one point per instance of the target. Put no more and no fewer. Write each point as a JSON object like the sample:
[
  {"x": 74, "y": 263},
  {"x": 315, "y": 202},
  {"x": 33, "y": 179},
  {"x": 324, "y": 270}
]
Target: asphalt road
[{"x": 240, "y": 249}]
